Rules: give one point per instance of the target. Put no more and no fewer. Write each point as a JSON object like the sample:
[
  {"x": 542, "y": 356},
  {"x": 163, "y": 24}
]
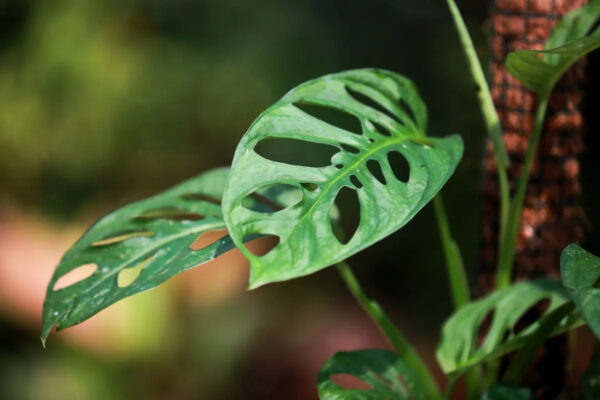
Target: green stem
[
  {"x": 507, "y": 249},
  {"x": 488, "y": 110},
  {"x": 391, "y": 332},
  {"x": 459, "y": 286}
]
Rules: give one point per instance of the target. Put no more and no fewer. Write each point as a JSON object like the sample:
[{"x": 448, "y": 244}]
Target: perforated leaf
[
  {"x": 465, "y": 342},
  {"x": 382, "y": 375},
  {"x": 146, "y": 243},
  {"x": 580, "y": 272},
  {"x": 391, "y": 121},
  {"x": 501, "y": 392},
  {"x": 573, "y": 38}
]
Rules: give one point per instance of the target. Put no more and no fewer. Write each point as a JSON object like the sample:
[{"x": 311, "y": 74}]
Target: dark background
[{"x": 105, "y": 101}]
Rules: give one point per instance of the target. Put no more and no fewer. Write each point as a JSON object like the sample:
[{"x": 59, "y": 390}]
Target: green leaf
[
  {"x": 580, "y": 272},
  {"x": 383, "y": 374},
  {"x": 460, "y": 346},
  {"x": 392, "y": 121},
  {"x": 502, "y": 392},
  {"x": 570, "y": 41},
  {"x": 140, "y": 246}
]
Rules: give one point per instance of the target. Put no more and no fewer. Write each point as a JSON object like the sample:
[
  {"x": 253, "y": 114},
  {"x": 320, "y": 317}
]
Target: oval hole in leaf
[
  {"x": 380, "y": 129},
  {"x": 349, "y": 382},
  {"x": 201, "y": 197},
  {"x": 75, "y": 275},
  {"x": 375, "y": 170},
  {"x": 296, "y": 152},
  {"x": 129, "y": 275},
  {"x": 311, "y": 187},
  {"x": 332, "y": 116},
  {"x": 260, "y": 200},
  {"x": 262, "y": 246},
  {"x": 208, "y": 238},
  {"x": 350, "y": 149},
  {"x": 399, "y": 165},
  {"x": 484, "y": 326},
  {"x": 367, "y": 101},
  {"x": 173, "y": 214},
  {"x": 348, "y": 205},
  {"x": 121, "y": 237},
  {"x": 355, "y": 181},
  {"x": 530, "y": 316}
]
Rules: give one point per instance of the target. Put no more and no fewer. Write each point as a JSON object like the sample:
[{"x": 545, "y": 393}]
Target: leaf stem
[
  {"x": 488, "y": 110},
  {"x": 390, "y": 330},
  {"x": 459, "y": 286},
  {"x": 507, "y": 250}
]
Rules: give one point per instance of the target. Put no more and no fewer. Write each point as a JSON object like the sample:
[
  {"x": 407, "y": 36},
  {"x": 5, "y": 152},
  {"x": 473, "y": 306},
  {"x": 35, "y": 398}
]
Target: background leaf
[
  {"x": 141, "y": 245},
  {"x": 570, "y": 40},
  {"x": 580, "y": 272},
  {"x": 490, "y": 327},
  {"x": 502, "y": 392},
  {"x": 386, "y": 375},
  {"x": 389, "y": 121}
]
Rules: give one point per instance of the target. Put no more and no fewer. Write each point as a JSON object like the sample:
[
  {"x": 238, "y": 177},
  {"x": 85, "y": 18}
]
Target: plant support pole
[{"x": 392, "y": 333}]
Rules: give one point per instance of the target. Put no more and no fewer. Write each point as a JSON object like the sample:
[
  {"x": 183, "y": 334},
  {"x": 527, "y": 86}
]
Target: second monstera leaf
[{"x": 391, "y": 122}]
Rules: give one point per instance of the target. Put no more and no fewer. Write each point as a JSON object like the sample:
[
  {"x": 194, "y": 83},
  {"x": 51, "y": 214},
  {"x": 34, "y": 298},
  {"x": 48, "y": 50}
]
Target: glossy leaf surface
[
  {"x": 146, "y": 242},
  {"x": 580, "y": 272},
  {"x": 465, "y": 341},
  {"x": 382, "y": 375},
  {"x": 392, "y": 121},
  {"x": 501, "y": 392},
  {"x": 573, "y": 38}
]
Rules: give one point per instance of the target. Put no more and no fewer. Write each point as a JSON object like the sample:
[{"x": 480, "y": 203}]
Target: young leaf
[
  {"x": 146, "y": 243},
  {"x": 460, "y": 346},
  {"x": 392, "y": 120},
  {"x": 570, "y": 41},
  {"x": 383, "y": 374},
  {"x": 580, "y": 272},
  {"x": 502, "y": 392}
]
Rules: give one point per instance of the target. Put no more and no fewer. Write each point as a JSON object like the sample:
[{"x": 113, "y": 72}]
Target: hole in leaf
[
  {"x": 260, "y": 200},
  {"x": 531, "y": 315},
  {"x": 311, "y": 187},
  {"x": 399, "y": 165},
  {"x": 333, "y": 116},
  {"x": 484, "y": 326},
  {"x": 170, "y": 214},
  {"x": 207, "y": 238},
  {"x": 407, "y": 109},
  {"x": 350, "y": 382},
  {"x": 129, "y": 275},
  {"x": 202, "y": 197},
  {"x": 261, "y": 246},
  {"x": 350, "y": 149},
  {"x": 339, "y": 166},
  {"x": 375, "y": 169},
  {"x": 296, "y": 152},
  {"x": 355, "y": 181},
  {"x": 349, "y": 209},
  {"x": 380, "y": 129},
  {"x": 75, "y": 275},
  {"x": 367, "y": 101},
  {"x": 121, "y": 237}
]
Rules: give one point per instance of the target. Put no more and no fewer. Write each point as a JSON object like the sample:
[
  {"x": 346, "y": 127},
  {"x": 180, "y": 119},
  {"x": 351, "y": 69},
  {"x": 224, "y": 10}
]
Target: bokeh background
[{"x": 106, "y": 101}]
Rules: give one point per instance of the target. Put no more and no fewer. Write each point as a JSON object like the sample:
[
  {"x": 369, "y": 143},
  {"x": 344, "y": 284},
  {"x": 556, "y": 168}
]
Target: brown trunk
[{"x": 551, "y": 216}]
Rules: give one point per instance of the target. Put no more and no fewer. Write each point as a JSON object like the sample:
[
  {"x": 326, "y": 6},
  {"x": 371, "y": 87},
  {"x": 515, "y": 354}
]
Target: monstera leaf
[
  {"x": 141, "y": 245},
  {"x": 381, "y": 374},
  {"x": 465, "y": 341},
  {"x": 572, "y": 39},
  {"x": 391, "y": 122},
  {"x": 580, "y": 272}
]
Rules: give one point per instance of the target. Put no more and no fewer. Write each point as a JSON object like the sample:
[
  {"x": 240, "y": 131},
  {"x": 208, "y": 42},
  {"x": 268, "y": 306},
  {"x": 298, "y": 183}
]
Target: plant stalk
[
  {"x": 507, "y": 250},
  {"x": 400, "y": 343}
]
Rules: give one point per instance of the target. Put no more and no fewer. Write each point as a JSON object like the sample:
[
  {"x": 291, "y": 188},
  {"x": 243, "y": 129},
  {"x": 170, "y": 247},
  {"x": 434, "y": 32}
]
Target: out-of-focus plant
[{"x": 368, "y": 130}]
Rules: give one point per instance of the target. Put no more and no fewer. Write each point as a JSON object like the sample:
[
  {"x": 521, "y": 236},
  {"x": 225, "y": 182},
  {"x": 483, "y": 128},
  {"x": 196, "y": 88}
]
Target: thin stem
[
  {"x": 391, "y": 332},
  {"x": 459, "y": 286},
  {"x": 507, "y": 250},
  {"x": 488, "y": 110}
]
